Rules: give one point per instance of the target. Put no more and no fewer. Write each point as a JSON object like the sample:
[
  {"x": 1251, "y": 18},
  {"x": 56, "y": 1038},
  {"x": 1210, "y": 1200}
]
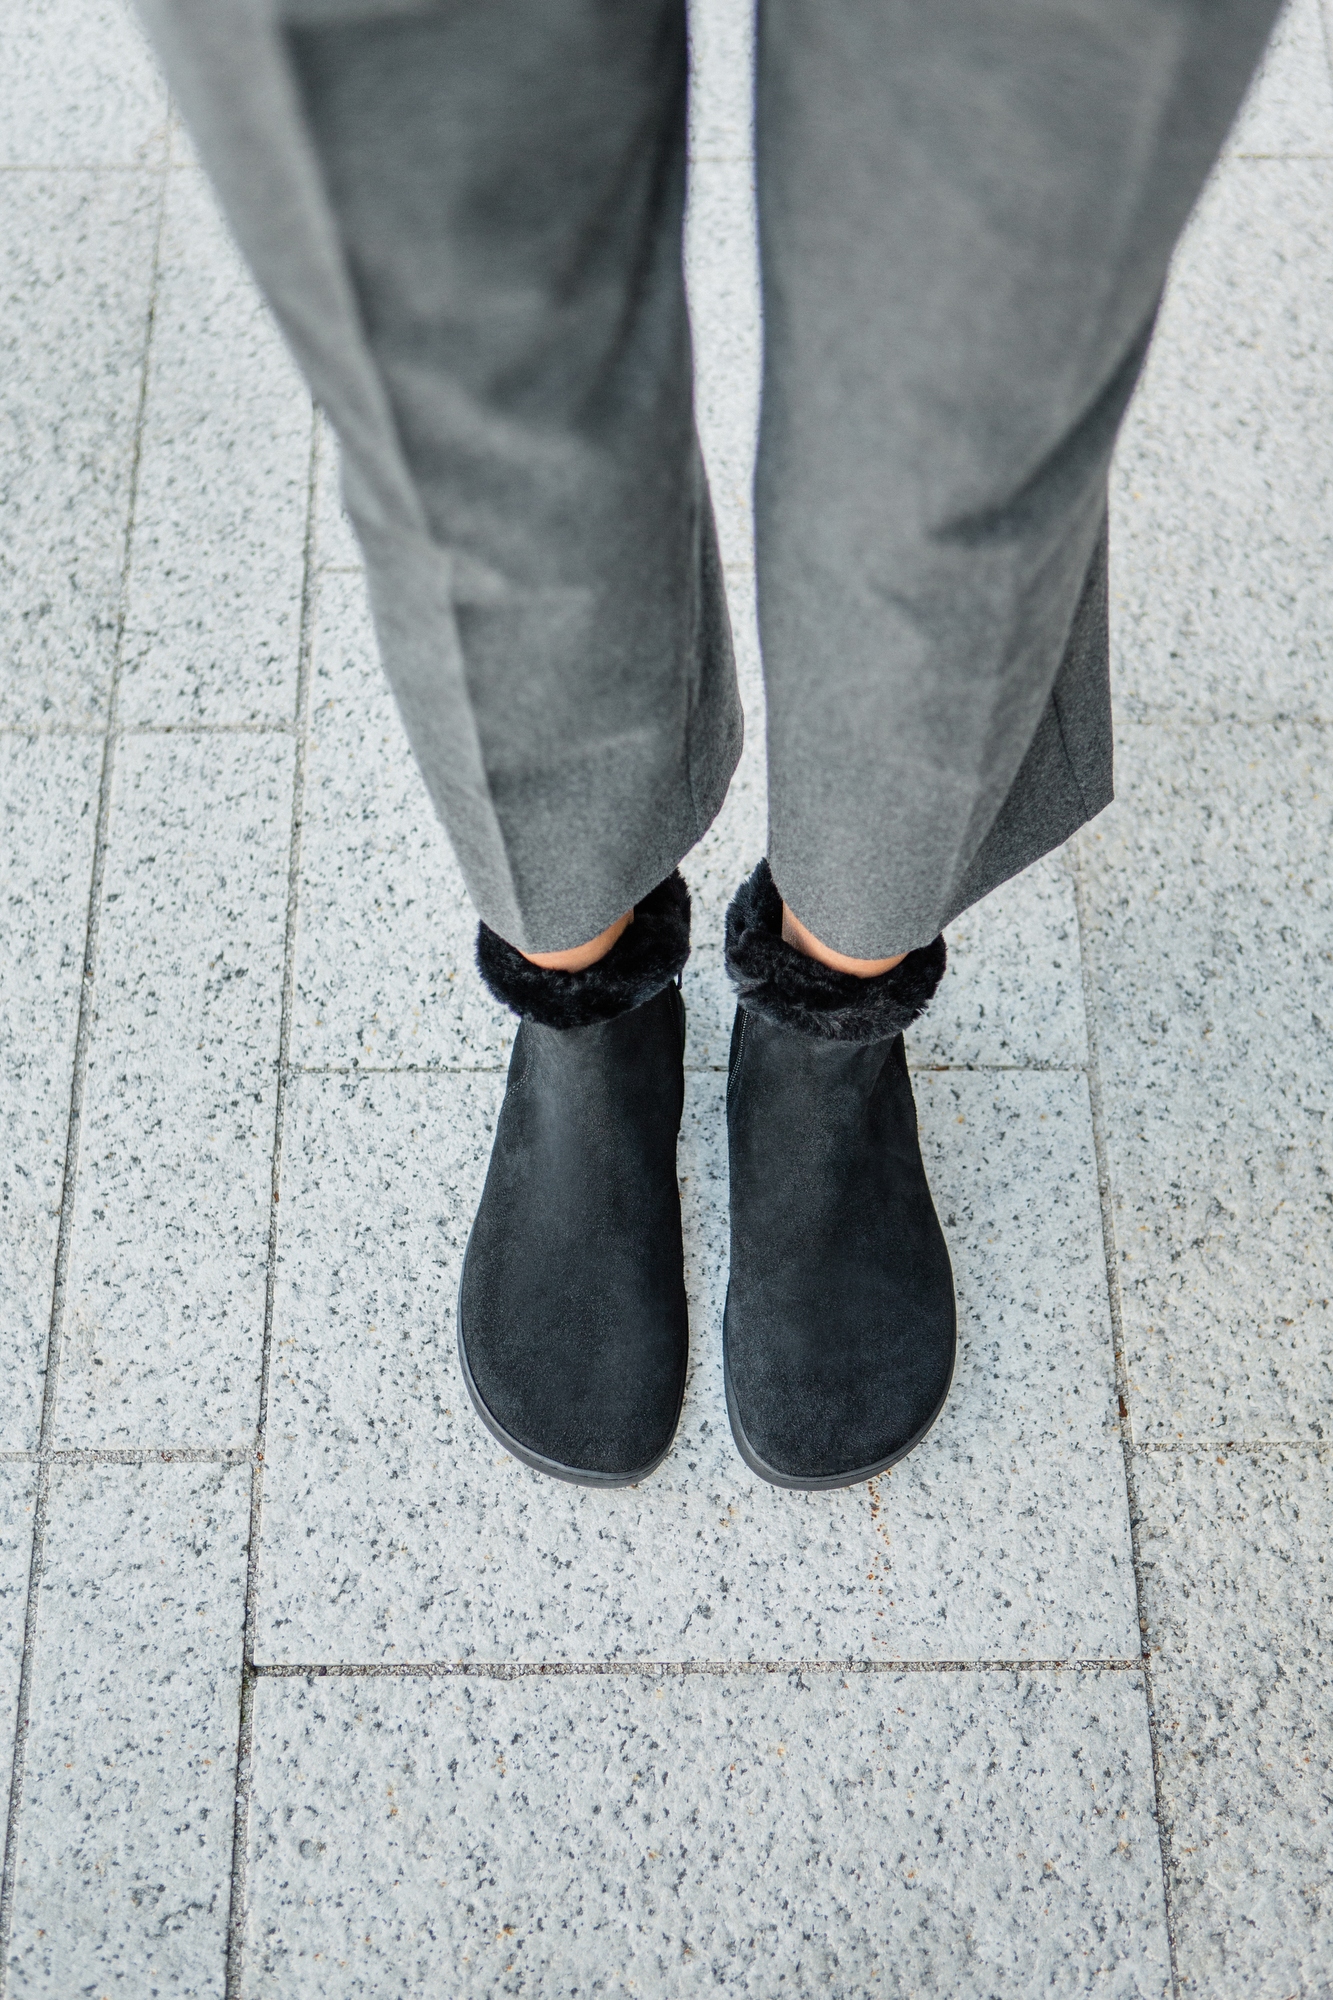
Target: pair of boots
[{"x": 839, "y": 1332}]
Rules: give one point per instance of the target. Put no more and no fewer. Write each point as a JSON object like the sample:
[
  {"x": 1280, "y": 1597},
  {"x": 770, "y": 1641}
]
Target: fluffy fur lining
[
  {"x": 647, "y": 956},
  {"x": 789, "y": 990}
]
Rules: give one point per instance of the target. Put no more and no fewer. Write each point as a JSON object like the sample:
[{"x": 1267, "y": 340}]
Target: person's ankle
[
  {"x": 582, "y": 955},
  {"x": 800, "y": 939}
]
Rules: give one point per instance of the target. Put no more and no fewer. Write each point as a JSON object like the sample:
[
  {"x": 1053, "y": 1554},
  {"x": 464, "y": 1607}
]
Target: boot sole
[
  {"x": 828, "y": 1482},
  {"x": 573, "y": 1475}
]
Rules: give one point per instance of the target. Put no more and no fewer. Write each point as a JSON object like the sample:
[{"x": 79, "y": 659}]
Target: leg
[
  {"x": 966, "y": 212},
  {"x": 468, "y": 221}
]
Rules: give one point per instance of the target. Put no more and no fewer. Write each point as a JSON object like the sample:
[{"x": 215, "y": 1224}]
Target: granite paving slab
[
  {"x": 18, "y": 1491},
  {"x": 722, "y": 276},
  {"x": 1209, "y": 913},
  {"x": 396, "y": 1529},
  {"x": 81, "y": 87},
  {"x": 1222, "y": 501},
  {"x": 214, "y": 612},
  {"x": 48, "y": 811},
  {"x": 1013, "y": 991},
  {"x": 721, "y": 79},
  {"x": 973, "y": 1834},
  {"x": 124, "y": 1860},
  {"x": 75, "y": 280},
  {"x": 1288, "y": 110},
  {"x": 1238, "y": 1592},
  {"x": 165, "y": 1310}
]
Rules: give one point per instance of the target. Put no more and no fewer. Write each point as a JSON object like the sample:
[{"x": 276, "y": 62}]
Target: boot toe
[
  {"x": 816, "y": 1424},
  {"x": 597, "y": 1425}
]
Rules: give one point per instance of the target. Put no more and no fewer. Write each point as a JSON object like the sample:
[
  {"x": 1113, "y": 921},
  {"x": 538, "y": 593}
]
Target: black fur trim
[
  {"x": 647, "y": 956},
  {"x": 784, "y": 987}
]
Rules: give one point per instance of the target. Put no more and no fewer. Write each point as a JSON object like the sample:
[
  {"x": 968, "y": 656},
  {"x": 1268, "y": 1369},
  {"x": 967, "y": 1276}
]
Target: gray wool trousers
[{"x": 466, "y": 215}]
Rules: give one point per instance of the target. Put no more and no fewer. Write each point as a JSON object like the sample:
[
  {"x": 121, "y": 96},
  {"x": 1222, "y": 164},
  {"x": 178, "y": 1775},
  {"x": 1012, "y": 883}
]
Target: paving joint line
[
  {"x": 33, "y": 732},
  {"x": 1310, "y": 1444},
  {"x": 1092, "y": 1024},
  {"x": 514, "y": 1670},
  {"x": 145, "y": 168},
  {"x": 236, "y": 1910},
  {"x": 74, "y": 1126},
  {"x": 275, "y": 728},
  {"x": 134, "y": 1454},
  {"x": 244, "y": 1454},
  {"x": 1172, "y": 718}
]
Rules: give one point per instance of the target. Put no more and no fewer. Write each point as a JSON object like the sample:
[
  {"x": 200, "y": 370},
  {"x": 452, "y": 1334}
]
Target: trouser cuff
[
  {"x": 646, "y": 957},
  {"x": 789, "y": 990}
]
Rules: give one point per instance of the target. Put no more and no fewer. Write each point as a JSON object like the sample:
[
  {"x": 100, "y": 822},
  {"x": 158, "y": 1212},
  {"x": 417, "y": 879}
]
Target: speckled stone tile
[
  {"x": 344, "y": 659},
  {"x": 75, "y": 266},
  {"x": 974, "y": 1835},
  {"x": 385, "y": 970},
  {"x": 336, "y": 546},
  {"x": 1210, "y": 913},
  {"x": 124, "y": 1857},
  {"x": 710, "y": 1007},
  {"x": 1234, "y": 1558},
  {"x": 721, "y": 79},
  {"x": 1289, "y": 108},
  {"x": 214, "y": 614},
  {"x": 396, "y": 1529},
  {"x": 165, "y": 1310},
  {"x": 722, "y": 273},
  {"x": 48, "y": 812},
  {"x": 1013, "y": 991},
  {"x": 1238, "y": 1592},
  {"x": 18, "y": 1488},
  {"x": 1222, "y": 501},
  {"x": 81, "y": 88}
]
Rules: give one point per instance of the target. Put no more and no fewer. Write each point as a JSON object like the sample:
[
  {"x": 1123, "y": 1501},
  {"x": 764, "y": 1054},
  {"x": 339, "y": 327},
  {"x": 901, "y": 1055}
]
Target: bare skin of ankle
[
  {"x": 795, "y": 933},
  {"x": 582, "y": 955}
]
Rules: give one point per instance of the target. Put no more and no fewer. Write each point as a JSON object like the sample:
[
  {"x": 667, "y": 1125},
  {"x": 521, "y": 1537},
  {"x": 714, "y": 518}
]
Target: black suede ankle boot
[
  {"x": 572, "y": 1326},
  {"x": 840, "y": 1329}
]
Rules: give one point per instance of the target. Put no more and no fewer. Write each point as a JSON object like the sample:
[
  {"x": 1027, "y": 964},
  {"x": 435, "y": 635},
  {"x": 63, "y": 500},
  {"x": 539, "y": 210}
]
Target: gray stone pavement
[{"x": 311, "y": 1691}]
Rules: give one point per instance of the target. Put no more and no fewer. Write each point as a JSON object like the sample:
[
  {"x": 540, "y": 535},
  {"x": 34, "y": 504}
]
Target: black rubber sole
[
  {"x": 832, "y": 1481},
  {"x": 574, "y": 1475}
]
